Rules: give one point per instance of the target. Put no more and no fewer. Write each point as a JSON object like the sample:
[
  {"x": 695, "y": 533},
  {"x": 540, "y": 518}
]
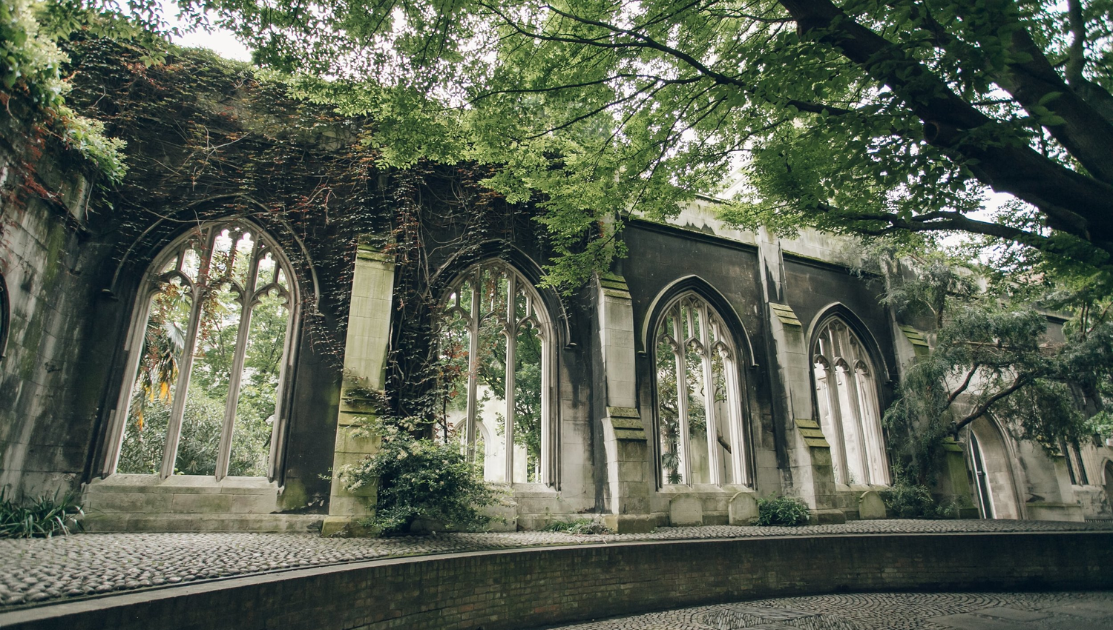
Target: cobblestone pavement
[
  {"x": 39, "y": 571},
  {"x": 885, "y": 611}
]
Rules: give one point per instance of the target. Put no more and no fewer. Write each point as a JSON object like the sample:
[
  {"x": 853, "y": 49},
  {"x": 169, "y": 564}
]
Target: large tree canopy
[{"x": 864, "y": 116}]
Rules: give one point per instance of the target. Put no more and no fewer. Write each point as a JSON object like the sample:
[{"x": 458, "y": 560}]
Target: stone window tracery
[
  {"x": 699, "y": 406},
  {"x": 209, "y": 352},
  {"x": 846, "y": 398},
  {"x": 495, "y": 345}
]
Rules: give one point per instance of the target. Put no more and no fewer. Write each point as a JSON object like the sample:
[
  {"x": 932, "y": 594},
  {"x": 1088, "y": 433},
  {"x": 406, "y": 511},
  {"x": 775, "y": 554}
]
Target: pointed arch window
[
  {"x": 846, "y": 398},
  {"x": 700, "y": 429},
  {"x": 495, "y": 343},
  {"x": 208, "y": 357}
]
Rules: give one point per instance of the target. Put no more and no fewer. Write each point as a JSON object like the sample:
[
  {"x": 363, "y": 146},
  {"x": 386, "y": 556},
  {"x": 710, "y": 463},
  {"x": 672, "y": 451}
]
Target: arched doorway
[{"x": 994, "y": 485}]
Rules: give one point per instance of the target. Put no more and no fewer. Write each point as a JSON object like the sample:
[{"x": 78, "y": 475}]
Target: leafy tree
[
  {"x": 603, "y": 104},
  {"x": 995, "y": 354}
]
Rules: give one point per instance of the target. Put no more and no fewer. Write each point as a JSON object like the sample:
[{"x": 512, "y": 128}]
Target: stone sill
[
  {"x": 839, "y": 487},
  {"x": 706, "y": 489},
  {"x": 183, "y": 484},
  {"x": 530, "y": 490}
]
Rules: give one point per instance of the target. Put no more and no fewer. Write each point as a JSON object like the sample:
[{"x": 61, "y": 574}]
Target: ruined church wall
[{"x": 53, "y": 365}]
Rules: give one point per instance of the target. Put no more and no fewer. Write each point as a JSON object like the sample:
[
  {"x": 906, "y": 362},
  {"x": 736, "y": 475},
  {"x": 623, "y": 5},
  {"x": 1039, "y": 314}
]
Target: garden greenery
[
  {"x": 41, "y": 517},
  {"x": 582, "y": 526},
  {"x": 785, "y": 511},
  {"x": 421, "y": 480}
]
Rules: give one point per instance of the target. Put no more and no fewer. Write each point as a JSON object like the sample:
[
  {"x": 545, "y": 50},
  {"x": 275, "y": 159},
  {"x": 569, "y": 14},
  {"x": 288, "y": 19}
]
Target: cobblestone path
[
  {"x": 40, "y": 571},
  {"x": 885, "y": 611}
]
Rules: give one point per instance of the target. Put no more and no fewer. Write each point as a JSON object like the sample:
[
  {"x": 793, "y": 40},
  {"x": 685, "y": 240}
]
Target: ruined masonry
[{"x": 177, "y": 373}]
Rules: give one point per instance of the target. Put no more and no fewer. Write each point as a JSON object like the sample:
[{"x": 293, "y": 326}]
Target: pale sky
[{"x": 218, "y": 40}]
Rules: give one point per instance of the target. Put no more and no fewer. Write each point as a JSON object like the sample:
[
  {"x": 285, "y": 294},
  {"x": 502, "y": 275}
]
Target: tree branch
[
  {"x": 981, "y": 409},
  {"x": 961, "y": 388},
  {"x": 1072, "y": 202}
]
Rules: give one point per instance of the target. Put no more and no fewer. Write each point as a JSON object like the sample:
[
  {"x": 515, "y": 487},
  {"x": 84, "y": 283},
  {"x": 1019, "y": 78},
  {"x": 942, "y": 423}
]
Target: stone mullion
[
  {"x": 682, "y": 398},
  {"x": 473, "y": 365},
  {"x": 511, "y": 330},
  {"x": 177, "y": 410},
  {"x": 710, "y": 419},
  {"x": 247, "y": 304}
]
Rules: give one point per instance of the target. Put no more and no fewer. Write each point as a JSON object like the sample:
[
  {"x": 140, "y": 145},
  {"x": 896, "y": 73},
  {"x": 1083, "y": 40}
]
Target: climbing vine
[{"x": 208, "y": 138}]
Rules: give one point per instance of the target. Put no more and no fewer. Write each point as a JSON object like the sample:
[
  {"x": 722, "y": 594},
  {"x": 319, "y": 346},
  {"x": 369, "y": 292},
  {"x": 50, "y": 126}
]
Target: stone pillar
[
  {"x": 626, "y": 493},
  {"x": 365, "y": 352},
  {"x": 809, "y": 453}
]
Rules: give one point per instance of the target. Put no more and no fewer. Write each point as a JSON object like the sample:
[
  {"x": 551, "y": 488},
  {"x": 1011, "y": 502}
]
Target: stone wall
[
  {"x": 49, "y": 385},
  {"x": 536, "y": 587}
]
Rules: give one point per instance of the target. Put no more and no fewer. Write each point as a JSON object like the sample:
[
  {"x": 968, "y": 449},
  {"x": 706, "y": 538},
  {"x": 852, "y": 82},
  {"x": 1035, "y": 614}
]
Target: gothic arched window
[
  {"x": 846, "y": 396},
  {"x": 495, "y": 344},
  {"x": 699, "y": 405},
  {"x": 208, "y": 353}
]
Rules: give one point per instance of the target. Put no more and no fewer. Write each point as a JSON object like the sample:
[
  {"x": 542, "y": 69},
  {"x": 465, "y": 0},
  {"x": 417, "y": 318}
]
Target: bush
[
  {"x": 39, "y": 518},
  {"x": 788, "y": 511},
  {"x": 578, "y": 526},
  {"x": 905, "y": 500},
  {"x": 422, "y": 480}
]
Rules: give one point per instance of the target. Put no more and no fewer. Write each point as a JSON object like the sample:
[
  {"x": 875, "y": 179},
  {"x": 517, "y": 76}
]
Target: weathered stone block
[
  {"x": 827, "y": 517},
  {"x": 685, "y": 511},
  {"x": 742, "y": 509},
  {"x": 630, "y": 523},
  {"x": 870, "y": 506}
]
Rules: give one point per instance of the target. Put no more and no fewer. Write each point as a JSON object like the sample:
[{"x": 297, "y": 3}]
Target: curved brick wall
[{"x": 533, "y": 587}]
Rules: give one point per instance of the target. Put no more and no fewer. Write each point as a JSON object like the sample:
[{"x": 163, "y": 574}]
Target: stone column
[
  {"x": 365, "y": 352},
  {"x": 809, "y": 453},
  {"x": 626, "y": 493}
]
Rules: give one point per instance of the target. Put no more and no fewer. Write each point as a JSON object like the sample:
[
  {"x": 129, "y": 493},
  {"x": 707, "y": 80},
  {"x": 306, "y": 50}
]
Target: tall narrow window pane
[
  {"x": 491, "y": 361},
  {"x": 203, "y": 421},
  {"x": 697, "y": 415},
  {"x": 722, "y": 417},
  {"x": 668, "y": 410},
  {"x": 527, "y": 406},
  {"x": 156, "y": 380},
  {"x": 258, "y": 399}
]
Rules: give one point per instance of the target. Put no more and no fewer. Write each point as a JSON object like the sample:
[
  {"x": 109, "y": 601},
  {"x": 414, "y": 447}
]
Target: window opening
[
  {"x": 495, "y": 348},
  {"x": 699, "y": 412},
  {"x": 985, "y": 499},
  {"x": 846, "y": 399},
  {"x": 210, "y": 346}
]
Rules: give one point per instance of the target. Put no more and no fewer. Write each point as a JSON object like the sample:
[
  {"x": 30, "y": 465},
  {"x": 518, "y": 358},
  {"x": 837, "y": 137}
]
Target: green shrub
[
  {"x": 788, "y": 511},
  {"x": 422, "y": 480},
  {"x": 910, "y": 501},
  {"x": 578, "y": 526},
  {"x": 39, "y": 518}
]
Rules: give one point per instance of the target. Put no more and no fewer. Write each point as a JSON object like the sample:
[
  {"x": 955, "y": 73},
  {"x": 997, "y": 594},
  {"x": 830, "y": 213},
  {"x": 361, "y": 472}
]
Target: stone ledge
[
  {"x": 102, "y": 522},
  {"x": 535, "y": 587}
]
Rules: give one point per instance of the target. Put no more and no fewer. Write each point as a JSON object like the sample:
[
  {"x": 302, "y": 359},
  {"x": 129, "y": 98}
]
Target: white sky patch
[{"x": 218, "y": 40}]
